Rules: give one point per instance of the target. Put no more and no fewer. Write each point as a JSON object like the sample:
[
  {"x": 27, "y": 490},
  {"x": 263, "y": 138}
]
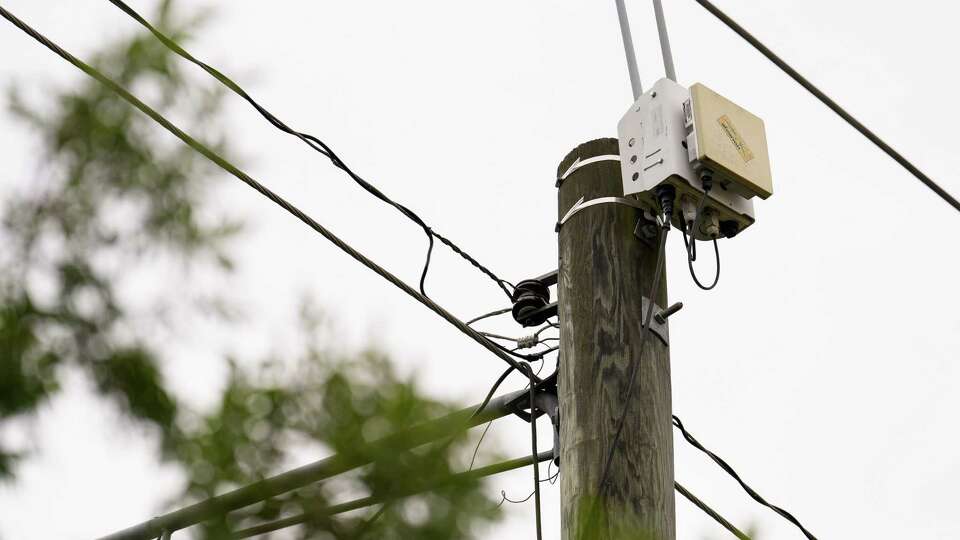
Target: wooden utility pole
[{"x": 605, "y": 270}]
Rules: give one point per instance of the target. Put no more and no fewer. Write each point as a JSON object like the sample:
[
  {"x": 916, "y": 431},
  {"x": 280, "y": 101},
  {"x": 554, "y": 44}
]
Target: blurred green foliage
[
  {"x": 109, "y": 200},
  {"x": 342, "y": 404}
]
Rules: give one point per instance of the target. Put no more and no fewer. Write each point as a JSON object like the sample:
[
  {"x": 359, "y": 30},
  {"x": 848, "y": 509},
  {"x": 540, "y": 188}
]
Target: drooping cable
[
  {"x": 318, "y": 145},
  {"x": 493, "y": 390},
  {"x": 691, "y": 246},
  {"x": 830, "y": 103},
  {"x": 502, "y": 377},
  {"x": 692, "y": 256},
  {"x": 504, "y": 498},
  {"x": 533, "y": 453},
  {"x": 260, "y": 188},
  {"x": 476, "y": 449},
  {"x": 729, "y": 470},
  {"x": 552, "y": 478}
]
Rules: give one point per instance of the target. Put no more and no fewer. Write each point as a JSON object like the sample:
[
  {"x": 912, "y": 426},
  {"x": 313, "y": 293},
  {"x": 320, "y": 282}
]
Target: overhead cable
[
  {"x": 263, "y": 190},
  {"x": 318, "y": 145},
  {"x": 710, "y": 511},
  {"x": 830, "y": 103},
  {"x": 729, "y": 470}
]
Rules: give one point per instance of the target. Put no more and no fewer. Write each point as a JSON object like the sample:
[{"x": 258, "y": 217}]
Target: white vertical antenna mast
[
  {"x": 629, "y": 50},
  {"x": 664, "y": 41}
]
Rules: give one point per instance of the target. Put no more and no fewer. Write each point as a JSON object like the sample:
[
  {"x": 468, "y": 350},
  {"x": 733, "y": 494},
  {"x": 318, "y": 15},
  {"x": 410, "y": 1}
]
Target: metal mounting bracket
[
  {"x": 659, "y": 329},
  {"x": 544, "y": 402},
  {"x": 648, "y": 229}
]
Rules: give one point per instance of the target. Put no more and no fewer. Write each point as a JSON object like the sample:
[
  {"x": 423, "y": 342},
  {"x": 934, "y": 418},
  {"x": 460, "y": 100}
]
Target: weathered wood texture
[{"x": 604, "y": 272}]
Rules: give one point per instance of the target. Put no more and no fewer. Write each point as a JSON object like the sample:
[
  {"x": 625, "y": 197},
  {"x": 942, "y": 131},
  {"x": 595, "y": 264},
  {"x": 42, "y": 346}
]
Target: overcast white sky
[{"x": 824, "y": 365}]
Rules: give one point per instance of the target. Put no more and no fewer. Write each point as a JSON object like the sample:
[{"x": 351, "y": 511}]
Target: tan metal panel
[{"x": 732, "y": 141}]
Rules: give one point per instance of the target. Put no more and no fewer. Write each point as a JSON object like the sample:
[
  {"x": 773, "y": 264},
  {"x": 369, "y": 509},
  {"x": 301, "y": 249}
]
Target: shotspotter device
[{"x": 691, "y": 139}]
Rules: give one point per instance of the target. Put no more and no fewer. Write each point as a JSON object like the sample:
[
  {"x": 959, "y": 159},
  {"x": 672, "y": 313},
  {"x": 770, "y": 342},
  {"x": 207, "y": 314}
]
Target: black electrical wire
[
  {"x": 724, "y": 522},
  {"x": 552, "y": 478},
  {"x": 729, "y": 470},
  {"x": 260, "y": 188},
  {"x": 476, "y": 449},
  {"x": 691, "y": 246},
  {"x": 533, "y": 444},
  {"x": 830, "y": 103},
  {"x": 504, "y": 498},
  {"x": 691, "y": 256},
  {"x": 483, "y": 404},
  {"x": 634, "y": 368},
  {"x": 493, "y": 390},
  {"x": 318, "y": 145}
]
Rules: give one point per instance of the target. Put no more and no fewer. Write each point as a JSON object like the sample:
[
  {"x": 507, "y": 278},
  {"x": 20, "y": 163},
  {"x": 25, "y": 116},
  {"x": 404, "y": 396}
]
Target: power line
[
  {"x": 729, "y": 470},
  {"x": 710, "y": 511},
  {"x": 263, "y": 190},
  {"x": 316, "y": 144},
  {"x": 830, "y": 103}
]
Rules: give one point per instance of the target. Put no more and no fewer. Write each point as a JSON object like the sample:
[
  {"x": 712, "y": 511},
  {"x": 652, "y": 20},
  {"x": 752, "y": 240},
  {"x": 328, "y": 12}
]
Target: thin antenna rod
[
  {"x": 629, "y": 50},
  {"x": 664, "y": 41}
]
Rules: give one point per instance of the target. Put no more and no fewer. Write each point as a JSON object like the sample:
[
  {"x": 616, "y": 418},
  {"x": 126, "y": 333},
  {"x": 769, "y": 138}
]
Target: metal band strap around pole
[
  {"x": 580, "y": 205},
  {"x": 578, "y": 163}
]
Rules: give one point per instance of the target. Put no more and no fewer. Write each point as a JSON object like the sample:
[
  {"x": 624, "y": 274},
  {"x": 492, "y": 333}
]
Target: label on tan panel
[{"x": 741, "y": 145}]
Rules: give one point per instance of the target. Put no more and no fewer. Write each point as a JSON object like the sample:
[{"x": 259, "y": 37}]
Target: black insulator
[{"x": 530, "y": 296}]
